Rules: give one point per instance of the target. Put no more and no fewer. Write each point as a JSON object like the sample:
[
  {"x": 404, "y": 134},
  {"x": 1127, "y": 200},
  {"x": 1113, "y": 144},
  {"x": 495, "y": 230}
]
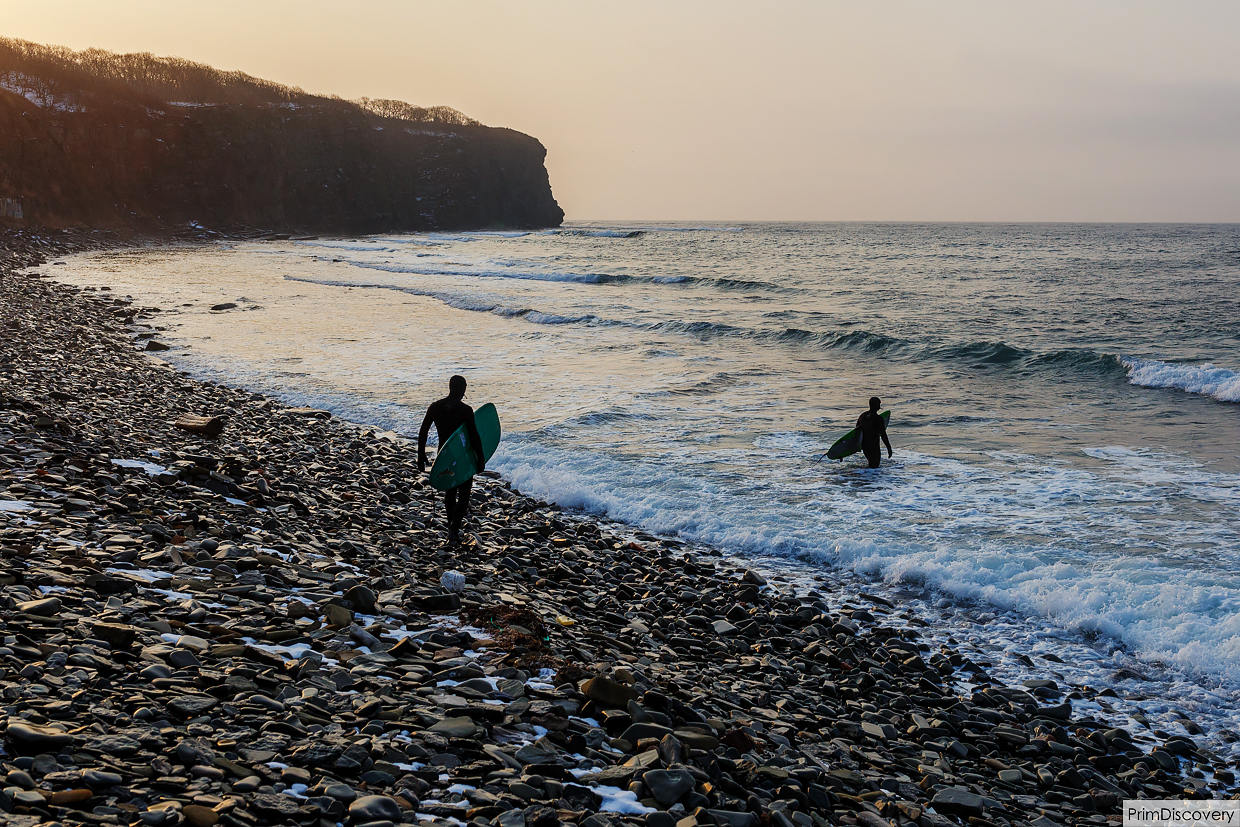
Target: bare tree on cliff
[{"x": 388, "y": 108}]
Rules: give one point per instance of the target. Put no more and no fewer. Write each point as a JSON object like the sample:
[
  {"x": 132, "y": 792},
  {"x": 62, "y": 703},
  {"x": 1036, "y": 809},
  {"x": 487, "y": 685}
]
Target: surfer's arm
[
  {"x": 886, "y": 441},
  {"x": 422, "y": 434}
]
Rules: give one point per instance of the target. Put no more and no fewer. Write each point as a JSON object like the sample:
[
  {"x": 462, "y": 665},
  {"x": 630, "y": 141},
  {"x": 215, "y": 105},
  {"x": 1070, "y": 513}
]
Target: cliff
[{"x": 107, "y": 155}]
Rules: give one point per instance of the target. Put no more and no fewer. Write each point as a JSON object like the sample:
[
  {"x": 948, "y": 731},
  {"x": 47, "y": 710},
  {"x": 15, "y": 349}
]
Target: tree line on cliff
[
  {"x": 95, "y": 138},
  {"x": 55, "y": 76}
]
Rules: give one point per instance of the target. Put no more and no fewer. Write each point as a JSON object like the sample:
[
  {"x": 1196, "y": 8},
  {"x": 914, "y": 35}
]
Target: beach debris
[{"x": 208, "y": 426}]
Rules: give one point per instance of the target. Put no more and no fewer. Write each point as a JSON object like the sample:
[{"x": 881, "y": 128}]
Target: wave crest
[{"x": 1206, "y": 379}]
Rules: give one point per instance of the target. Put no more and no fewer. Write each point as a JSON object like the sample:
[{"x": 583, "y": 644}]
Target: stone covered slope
[{"x": 250, "y": 630}]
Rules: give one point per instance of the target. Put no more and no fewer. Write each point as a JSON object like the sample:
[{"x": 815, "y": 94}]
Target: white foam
[
  {"x": 616, "y": 800},
  {"x": 1012, "y": 531},
  {"x": 149, "y": 575},
  {"x": 174, "y": 595},
  {"x": 149, "y": 467},
  {"x": 481, "y": 272},
  {"x": 456, "y": 822},
  {"x": 476, "y": 302},
  {"x": 1206, "y": 379},
  {"x": 295, "y": 651}
]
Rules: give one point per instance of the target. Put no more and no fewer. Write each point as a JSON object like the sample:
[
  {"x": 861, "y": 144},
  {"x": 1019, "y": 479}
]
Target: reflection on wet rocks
[{"x": 255, "y": 629}]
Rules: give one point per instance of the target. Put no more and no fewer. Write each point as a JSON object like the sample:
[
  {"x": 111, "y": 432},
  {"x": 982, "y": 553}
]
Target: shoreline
[
  {"x": 1173, "y": 693},
  {"x": 742, "y": 705}
]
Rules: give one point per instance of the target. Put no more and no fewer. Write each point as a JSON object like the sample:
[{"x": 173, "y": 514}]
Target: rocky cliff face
[{"x": 286, "y": 167}]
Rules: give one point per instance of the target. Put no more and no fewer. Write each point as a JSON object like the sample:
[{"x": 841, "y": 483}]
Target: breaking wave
[{"x": 1206, "y": 379}]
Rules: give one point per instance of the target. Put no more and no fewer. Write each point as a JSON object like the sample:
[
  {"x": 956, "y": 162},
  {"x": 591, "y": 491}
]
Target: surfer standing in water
[
  {"x": 871, "y": 427},
  {"x": 448, "y": 414}
]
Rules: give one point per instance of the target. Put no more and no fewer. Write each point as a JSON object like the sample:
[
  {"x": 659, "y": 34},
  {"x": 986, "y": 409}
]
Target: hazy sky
[{"x": 813, "y": 110}]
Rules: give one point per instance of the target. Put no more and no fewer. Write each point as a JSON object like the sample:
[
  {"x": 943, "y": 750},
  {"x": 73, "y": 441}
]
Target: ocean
[{"x": 1065, "y": 408}]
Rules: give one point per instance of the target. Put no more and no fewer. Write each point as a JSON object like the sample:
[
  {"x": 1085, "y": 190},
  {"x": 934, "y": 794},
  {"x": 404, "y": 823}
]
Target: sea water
[{"x": 1065, "y": 406}]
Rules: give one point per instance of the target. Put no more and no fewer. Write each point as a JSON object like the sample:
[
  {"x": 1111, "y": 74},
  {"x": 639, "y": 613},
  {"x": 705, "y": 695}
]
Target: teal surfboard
[
  {"x": 456, "y": 461},
  {"x": 850, "y": 443}
]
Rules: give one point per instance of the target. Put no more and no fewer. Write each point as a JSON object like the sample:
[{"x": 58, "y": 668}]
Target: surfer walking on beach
[
  {"x": 872, "y": 427},
  {"x": 448, "y": 414}
]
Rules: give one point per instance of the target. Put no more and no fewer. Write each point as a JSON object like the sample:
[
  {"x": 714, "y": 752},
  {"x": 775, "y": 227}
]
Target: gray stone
[
  {"x": 697, "y": 740},
  {"x": 99, "y": 779},
  {"x": 155, "y": 670},
  {"x": 511, "y": 818},
  {"x": 121, "y": 745},
  {"x": 581, "y": 798},
  {"x": 460, "y": 727},
  {"x": 667, "y": 786},
  {"x": 618, "y": 776},
  {"x": 609, "y": 693},
  {"x": 46, "y": 607},
  {"x": 536, "y": 754},
  {"x": 362, "y": 598},
  {"x": 191, "y": 706},
  {"x": 375, "y": 808},
  {"x": 277, "y": 806},
  {"x": 341, "y": 792},
  {"x": 117, "y": 635},
  {"x": 295, "y": 775},
  {"x": 958, "y": 802},
  {"x": 731, "y": 818},
  {"x": 524, "y": 791},
  {"x": 883, "y": 732},
  {"x": 29, "y": 798},
  {"x": 636, "y": 732},
  {"x": 337, "y": 615},
  {"x": 183, "y": 659},
  {"x": 32, "y": 739},
  {"x": 19, "y": 778}
]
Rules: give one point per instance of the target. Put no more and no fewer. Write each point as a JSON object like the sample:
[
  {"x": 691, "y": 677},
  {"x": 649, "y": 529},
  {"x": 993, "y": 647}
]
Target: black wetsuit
[
  {"x": 872, "y": 428},
  {"x": 448, "y": 414}
]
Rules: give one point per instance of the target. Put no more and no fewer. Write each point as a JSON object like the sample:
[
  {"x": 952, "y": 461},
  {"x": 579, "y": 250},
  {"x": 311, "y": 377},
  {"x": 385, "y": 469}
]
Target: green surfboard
[
  {"x": 455, "y": 461},
  {"x": 850, "y": 443}
]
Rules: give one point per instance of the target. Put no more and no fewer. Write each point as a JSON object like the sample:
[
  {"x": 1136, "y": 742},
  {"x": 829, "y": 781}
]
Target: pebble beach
[{"x": 267, "y": 627}]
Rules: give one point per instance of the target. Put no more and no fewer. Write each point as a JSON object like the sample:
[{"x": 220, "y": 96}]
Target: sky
[{"x": 788, "y": 110}]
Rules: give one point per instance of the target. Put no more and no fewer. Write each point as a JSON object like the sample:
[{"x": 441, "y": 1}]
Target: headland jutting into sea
[
  {"x": 250, "y": 629},
  {"x": 139, "y": 142}
]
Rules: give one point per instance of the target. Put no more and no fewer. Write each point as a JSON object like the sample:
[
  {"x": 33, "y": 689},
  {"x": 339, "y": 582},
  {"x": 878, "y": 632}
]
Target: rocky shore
[{"x": 266, "y": 627}]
